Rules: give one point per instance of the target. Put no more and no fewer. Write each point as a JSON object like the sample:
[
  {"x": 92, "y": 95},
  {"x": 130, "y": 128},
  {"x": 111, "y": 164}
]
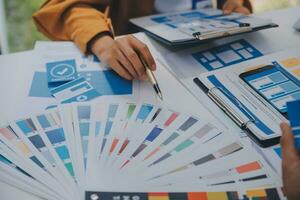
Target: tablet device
[{"x": 275, "y": 85}]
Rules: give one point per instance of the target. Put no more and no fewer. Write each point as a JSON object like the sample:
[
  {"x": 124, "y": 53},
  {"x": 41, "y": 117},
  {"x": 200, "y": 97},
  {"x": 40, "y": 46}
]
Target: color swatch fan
[{"x": 126, "y": 150}]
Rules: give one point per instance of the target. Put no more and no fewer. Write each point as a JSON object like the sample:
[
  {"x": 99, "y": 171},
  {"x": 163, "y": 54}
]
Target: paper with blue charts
[
  {"x": 90, "y": 78},
  {"x": 60, "y": 72},
  {"x": 211, "y": 57}
]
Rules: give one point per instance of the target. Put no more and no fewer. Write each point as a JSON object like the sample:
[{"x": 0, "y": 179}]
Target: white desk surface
[{"x": 14, "y": 94}]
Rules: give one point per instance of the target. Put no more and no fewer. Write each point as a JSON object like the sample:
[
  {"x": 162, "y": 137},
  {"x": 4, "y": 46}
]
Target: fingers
[
  {"x": 289, "y": 150},
  {"x": 125, "y": 62},
  {"x": 124, "y": 56},
  {"x": 143, "y": 50},
  {"x": 242, "y": 10},
  {"x": 235, "y": 6},
  {"x": 229, "y": 7},
  {"x": 133, "y": 58},
  {"x": 117, "y": 67}
]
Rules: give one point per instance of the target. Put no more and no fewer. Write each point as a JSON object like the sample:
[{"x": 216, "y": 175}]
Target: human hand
[
  {"x": 290, "y": 164},
  {"x": 123, "y": 55},
  {"x": 235, "y": 6}
]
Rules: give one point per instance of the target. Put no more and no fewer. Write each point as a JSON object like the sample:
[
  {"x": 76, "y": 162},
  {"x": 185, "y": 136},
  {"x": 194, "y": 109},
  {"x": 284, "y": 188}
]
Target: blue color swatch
[
  {"x": 108, "y": 127},
  {"x": 62, "y": 152},
  {"x": 26, "y": 126},
  {"x": 153, "y": 134},
  {"x": 144, "y": 112},
  {"x": 37, "y": 141},
  {"x": 84, "y": 128},
  {"x": 43, "y": 121},
  {"x": 112, "y": 110},
  {"x": 36, "y": 161},
  {"x": 84, "y": 112},
  {"x": 56, "y": 135}
]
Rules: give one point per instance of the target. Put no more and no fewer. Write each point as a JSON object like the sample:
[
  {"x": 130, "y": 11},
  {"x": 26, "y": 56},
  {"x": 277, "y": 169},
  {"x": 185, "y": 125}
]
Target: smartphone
[{"x": 275, "y": 85}]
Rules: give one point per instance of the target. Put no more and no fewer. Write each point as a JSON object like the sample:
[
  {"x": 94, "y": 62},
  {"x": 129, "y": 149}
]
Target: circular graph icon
[{"x": 82, "y": 98}]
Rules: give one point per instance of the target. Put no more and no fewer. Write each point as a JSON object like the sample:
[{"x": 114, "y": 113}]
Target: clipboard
[
  {"x": 235, "y": 116},
  {"x": 161, "y": 29}
]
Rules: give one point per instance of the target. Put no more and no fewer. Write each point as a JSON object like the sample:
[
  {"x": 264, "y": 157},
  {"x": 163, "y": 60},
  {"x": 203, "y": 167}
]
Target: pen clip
[{"x": 242, "y": 123}]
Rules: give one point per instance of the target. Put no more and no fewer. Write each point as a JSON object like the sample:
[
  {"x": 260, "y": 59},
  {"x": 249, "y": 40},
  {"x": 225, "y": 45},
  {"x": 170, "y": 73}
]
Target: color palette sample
[
  {"x": 65, "y": 146},
  {"x": 84, "y": 116},
  {"x": 184, "y": 144},
  {"x": 227, "y": 150},
  {"x": 261, "y": 194}
]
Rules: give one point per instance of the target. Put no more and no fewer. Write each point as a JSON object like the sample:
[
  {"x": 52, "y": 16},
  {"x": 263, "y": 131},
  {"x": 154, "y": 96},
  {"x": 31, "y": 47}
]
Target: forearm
[{"x": 74, "y": 20}]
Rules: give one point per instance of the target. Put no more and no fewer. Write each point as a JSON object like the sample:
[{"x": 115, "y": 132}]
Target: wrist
[{"x": 99, "y": 42}]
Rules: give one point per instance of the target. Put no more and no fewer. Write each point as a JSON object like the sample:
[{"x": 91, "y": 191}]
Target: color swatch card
[{"x": 135, "y": 148}]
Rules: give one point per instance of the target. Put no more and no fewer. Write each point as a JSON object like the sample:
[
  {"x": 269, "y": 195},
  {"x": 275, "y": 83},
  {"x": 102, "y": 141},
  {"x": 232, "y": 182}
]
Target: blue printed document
[
  {"x": 258, "y": 101},
  {"x": 294, "y": 118},
  {"x": 78, "y": 90}
]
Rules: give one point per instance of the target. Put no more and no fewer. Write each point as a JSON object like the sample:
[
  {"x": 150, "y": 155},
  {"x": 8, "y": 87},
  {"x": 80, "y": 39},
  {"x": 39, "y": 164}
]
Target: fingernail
[
  {"x": 154, "y": 67},
  {"x": 144, "y": 78}
]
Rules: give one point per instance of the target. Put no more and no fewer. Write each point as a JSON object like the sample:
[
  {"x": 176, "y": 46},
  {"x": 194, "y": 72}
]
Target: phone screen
[{"x": 274, "y": 85}]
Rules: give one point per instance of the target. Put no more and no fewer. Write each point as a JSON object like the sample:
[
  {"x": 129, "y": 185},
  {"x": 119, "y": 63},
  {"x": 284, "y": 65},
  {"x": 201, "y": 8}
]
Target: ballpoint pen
[{"x": 152, "y": 79}]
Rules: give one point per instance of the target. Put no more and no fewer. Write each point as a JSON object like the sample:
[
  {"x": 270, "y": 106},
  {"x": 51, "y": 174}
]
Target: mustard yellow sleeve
[{"x": 75, "y": 20}]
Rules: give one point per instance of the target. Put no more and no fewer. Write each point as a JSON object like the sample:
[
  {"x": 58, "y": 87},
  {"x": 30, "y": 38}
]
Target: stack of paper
[{"x": 121, "y": 146}]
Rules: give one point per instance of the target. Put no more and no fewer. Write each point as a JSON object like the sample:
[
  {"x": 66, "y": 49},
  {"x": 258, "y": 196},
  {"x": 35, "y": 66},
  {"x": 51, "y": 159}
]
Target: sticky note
[{"x": 61, "y": 72}]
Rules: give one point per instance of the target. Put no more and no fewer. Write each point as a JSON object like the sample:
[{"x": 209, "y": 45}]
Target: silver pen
[{"x": 152, "y": 79}]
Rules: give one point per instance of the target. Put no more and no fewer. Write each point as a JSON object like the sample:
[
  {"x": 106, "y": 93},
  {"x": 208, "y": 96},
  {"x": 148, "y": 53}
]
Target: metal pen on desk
[{"x": 152, "y": 79}]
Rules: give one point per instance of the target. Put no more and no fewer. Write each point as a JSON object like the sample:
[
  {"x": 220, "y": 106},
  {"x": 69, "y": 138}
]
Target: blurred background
[{"x": 18, "y": 32}]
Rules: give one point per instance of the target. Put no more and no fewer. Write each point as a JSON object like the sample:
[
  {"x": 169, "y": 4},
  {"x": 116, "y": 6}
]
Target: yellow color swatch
[
  {"x": 291, "y": 62},
  {"x": 217, "y": 196},
  {"x": 256, "y": 193},
  {"x": 158, "y": 198},
  {"x": 297, "y": 72},
  {"x": 23, "y": 148}
]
